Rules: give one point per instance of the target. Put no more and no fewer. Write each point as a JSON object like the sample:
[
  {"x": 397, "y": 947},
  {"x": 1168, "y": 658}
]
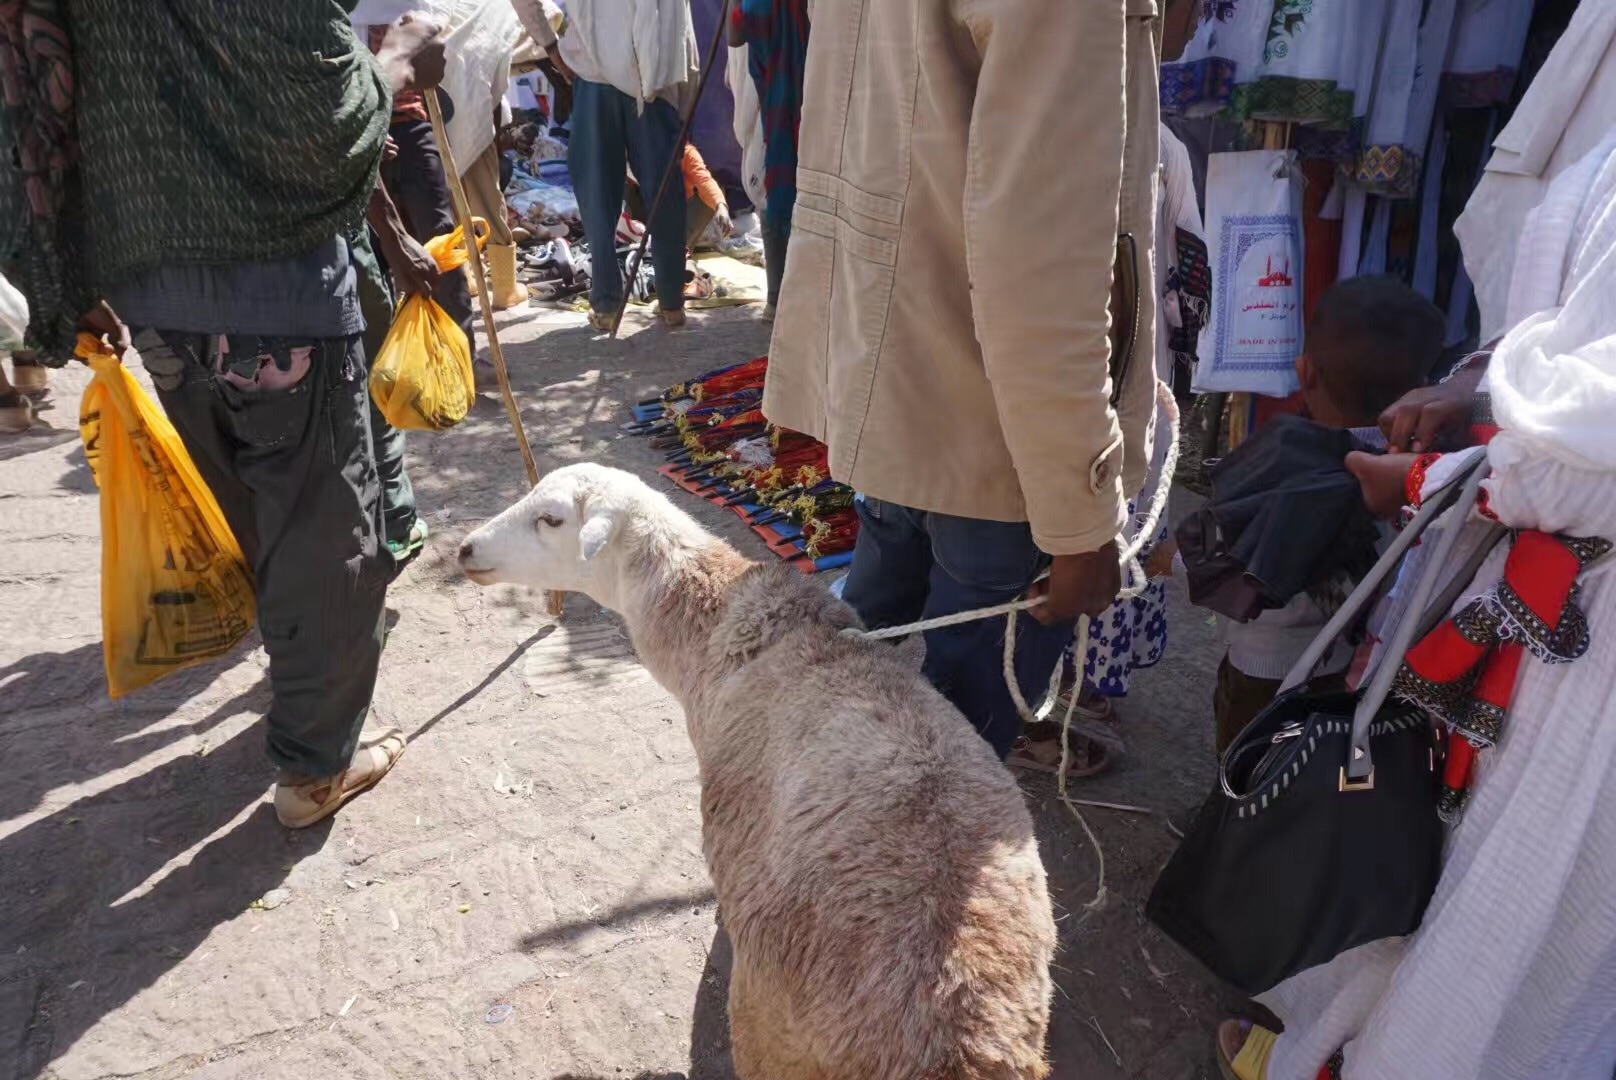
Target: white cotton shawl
[
  {"x": 1553, "y": 377},
  {"x": 1568, "y": 110},
  {"x": 479, "y": 38}
]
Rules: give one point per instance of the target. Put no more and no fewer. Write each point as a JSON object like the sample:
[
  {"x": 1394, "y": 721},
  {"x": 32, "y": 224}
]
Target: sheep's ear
[{"x": 593, "y": 536}]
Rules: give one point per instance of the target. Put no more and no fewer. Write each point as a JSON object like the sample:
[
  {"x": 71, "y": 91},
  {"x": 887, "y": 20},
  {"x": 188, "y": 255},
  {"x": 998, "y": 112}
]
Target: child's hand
[
  {"x": 1159, "y": 563},
  {"x": 1383, "y": 478}
]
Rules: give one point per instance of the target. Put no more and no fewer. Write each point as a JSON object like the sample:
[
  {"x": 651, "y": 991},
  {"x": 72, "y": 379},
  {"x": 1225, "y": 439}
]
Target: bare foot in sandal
[
  {"x": 1042, "y": 752},
  {"x": 300, "y": 801}
]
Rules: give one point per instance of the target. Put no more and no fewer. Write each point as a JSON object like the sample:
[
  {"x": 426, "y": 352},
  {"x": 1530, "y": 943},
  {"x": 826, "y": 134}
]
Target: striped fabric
[{"x": 777, "y": 38}]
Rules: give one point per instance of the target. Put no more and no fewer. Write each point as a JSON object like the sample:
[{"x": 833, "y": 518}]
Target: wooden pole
[{"x": 553, "y": 601}]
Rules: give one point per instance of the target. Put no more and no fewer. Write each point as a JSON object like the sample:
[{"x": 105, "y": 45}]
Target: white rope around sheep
[{"x": 1137, "y": 583}]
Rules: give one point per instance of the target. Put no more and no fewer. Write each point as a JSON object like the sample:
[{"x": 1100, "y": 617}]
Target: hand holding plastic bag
[
  {"x": 175, "y": 588},
  {"x": 421, "y": 379}
]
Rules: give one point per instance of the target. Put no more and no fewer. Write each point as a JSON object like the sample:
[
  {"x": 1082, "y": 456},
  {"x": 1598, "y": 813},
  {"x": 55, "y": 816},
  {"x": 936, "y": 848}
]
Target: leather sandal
[
  {"x": 1042, "y": 754},
  {"x": 301, "y": 804}
]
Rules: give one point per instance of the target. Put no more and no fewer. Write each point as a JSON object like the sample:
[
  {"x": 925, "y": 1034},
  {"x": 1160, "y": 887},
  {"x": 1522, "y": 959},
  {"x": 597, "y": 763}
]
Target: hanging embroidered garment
[
  {"x": 1181, "y": 264},
  {"x": 1227, "y": 45},
  {"x": 1312, "y": 63},
  {"x": 1399, "y": 123}
]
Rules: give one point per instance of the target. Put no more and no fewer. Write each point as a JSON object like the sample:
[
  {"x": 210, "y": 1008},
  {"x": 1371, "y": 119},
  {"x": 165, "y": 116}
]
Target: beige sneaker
[
  {"x": 16, "y": 413},
  {"x": 301, "y": 802}
]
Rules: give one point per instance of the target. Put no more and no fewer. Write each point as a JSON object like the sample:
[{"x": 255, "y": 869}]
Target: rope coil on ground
[{"x": 1137, "y": 583}]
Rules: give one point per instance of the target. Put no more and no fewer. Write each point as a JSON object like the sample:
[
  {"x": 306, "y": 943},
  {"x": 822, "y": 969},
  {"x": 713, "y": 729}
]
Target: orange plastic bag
[
  {"x": 421, "y": 379},
  {"x": 175, "y": 588}
]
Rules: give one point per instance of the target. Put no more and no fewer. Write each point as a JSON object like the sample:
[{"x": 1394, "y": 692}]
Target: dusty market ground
[{"x": 538, "y": 846}]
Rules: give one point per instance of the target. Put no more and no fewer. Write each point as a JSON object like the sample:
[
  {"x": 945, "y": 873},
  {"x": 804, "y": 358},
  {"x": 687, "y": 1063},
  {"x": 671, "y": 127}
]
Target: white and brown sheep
[{"x": 875, "y": 866}]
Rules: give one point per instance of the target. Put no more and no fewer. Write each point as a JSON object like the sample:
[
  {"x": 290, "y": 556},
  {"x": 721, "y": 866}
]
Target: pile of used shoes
[
  {"x": 553, "y": 257},
  {"x": 554, "y": 268}
]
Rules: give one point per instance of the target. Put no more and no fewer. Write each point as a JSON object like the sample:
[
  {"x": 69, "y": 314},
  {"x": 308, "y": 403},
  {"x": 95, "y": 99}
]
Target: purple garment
[{"x": 713, "y": 128}]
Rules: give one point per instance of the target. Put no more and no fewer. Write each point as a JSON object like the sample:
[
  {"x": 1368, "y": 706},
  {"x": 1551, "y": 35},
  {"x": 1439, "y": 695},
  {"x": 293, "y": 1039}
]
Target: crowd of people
[{"x": 984, "y": 254}]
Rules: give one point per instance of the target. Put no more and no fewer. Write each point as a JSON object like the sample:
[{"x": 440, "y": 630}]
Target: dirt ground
[{"x": 537, "y": 847}]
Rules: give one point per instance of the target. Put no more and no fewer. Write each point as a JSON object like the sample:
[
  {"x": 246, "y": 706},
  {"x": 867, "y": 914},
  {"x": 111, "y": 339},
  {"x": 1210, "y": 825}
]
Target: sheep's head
[
  {"x": 569, "y": 534},
  {"x": 556, "y": 537}
]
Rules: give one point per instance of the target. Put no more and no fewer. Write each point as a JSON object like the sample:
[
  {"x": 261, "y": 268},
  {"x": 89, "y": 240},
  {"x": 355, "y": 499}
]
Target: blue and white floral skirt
[{"x": 1129, "y": 635}]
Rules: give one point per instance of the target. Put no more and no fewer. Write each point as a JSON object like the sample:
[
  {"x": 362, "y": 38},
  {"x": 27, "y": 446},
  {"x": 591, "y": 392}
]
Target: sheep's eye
[{"x": 550, "y": 520}]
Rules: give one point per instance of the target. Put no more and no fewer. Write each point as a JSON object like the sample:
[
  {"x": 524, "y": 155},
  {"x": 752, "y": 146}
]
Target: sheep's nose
[{"x": 465, "y": 551}]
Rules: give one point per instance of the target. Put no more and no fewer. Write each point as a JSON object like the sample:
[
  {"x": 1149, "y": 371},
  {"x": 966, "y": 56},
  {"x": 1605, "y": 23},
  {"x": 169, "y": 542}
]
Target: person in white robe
[{"x": 1512, "y": 974}]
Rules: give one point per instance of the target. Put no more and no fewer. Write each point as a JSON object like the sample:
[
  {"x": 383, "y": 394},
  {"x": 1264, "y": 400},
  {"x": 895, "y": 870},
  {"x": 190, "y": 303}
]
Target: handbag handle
[
  {"x": 1369, "y": 588},
  {"x": 1360, "y": 768}
]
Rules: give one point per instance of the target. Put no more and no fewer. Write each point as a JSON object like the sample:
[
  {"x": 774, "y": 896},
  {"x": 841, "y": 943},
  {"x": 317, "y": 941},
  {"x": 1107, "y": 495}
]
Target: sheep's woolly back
[
  {"x": 763, "y": 605},
  {"x": 875, "y": 863}
]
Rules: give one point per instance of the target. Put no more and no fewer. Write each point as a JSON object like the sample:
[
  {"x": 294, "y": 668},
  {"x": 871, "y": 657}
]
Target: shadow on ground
[
  {"x": 97, "y": 908},
  {"x": 68, "y": 689},
  {"x": 709, "y": 1025},
  {"x": 663, "y": 905}
]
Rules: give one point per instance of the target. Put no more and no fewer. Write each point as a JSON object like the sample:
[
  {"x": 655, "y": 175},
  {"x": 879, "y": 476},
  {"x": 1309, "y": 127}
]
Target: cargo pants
[{"x": 294, "y": 470}]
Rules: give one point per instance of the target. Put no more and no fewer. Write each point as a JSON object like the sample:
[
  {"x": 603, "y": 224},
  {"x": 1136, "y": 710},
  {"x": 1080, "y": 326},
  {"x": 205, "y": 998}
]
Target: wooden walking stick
[
  {"x": 553, "y": 601},
  {"x": 674, "y": 162}
]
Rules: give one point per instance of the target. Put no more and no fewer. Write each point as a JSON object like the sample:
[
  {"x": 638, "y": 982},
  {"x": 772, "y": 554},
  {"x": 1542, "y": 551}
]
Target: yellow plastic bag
[
  {"x": 421, "y": 379},
  {"x": 175, "y": 588}
]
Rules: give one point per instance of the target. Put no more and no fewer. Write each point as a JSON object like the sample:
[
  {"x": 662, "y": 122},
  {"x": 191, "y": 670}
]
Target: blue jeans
[
  {"x": 609, "y": 133},
  {"x": 911, "y": 564}
]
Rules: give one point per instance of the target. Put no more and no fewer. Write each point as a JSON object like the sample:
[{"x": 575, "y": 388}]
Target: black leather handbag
[{"x": 1322, "y": 833}]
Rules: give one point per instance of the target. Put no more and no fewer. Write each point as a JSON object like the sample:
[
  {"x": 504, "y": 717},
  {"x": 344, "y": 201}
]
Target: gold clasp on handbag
[
  {"x": 1346, "y": 783},
  {"x": 1366, "y": 784}
]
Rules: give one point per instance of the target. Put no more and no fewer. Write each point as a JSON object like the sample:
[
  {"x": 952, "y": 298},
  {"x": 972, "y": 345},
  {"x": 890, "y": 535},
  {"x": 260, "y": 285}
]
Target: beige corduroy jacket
[{"x": 965, "y": 170}]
